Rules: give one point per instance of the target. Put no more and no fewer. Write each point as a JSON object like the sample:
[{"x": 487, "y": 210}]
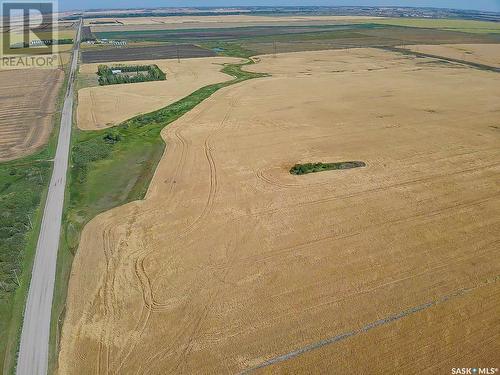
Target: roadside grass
[
  {"x": 23, "y": 190},
  {"x": 86, "y": 80},
  {"x": 23, "y": 186},
  {"x": 112, "y": 167}
]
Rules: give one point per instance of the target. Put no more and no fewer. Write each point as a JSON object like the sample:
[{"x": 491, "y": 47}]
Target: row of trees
[{"x": 144, "y": 73}]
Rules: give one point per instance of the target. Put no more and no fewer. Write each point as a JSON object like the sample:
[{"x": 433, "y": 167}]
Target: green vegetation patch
[
  {"x": 229, "y": 49},
  {"x": 129, "y": 74},
  {"x": 23, "y": 186},
  {"x": 299, "y": 169}
]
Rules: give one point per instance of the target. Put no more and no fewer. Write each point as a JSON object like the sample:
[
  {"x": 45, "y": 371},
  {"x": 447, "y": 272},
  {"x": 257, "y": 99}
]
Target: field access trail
[
  {"x": 231, "y": 264},
  {"x": 34, "y": 347}
]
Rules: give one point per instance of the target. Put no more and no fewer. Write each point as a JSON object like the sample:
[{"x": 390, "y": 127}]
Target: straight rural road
[{"x": 34, "y": 347}]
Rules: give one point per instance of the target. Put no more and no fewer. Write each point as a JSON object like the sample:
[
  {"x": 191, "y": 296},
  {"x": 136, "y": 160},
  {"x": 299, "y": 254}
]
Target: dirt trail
[{"x": 230, "y": 261}]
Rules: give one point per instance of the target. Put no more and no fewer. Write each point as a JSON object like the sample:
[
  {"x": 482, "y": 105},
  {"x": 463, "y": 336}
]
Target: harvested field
[
  {"x": 487, "y": 54},
  {"x": 231, "y": 261},
  {"x": 104, "y": 106},
  {"x": 207, "y": 22},
  {"x": 26, "y": 109},
  {"x": 145, "y": 53}
]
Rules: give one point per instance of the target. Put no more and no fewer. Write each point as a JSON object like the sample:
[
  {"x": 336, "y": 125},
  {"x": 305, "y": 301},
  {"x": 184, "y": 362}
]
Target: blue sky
[{"x": 492, "y": 5}]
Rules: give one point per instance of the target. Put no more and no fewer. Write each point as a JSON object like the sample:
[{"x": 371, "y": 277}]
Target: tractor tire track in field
[
  {"x": 355, "y": 293},
  {"x": 156, "y": 306},
  {"x": 267, "y": 177},
  {"x": 207, "y": 208},
  {"x": 206, "y": 211},
  {"x": 379, "y": 188},
  {"x": 373, "y": 227},
  {"x": 144, "y": 281},
  {"x": 368, "y": 327},
  {"x": 213, "y": 176}
]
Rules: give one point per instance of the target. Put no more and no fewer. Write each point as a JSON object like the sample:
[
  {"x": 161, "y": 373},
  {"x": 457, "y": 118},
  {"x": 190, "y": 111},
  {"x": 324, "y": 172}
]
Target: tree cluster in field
[
  {"x": 144, "y": 73},
  {"x": 299, "y": 169}
]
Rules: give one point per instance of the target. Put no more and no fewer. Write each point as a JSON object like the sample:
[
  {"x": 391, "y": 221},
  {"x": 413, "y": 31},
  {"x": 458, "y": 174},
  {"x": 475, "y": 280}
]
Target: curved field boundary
[{"x": 108, "y": 174}]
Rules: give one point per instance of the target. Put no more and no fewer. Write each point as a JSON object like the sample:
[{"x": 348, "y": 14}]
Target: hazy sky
[{"x": 492, "y": 5}]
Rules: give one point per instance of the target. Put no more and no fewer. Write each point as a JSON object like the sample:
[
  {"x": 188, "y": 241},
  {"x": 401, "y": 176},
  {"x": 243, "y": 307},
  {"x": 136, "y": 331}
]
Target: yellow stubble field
[
  {"x": 218, "y": 21},
  {"x": 27, "y": 106},
  {"x": 487, "y": 54},
  {"x": 231, "y": 264}
]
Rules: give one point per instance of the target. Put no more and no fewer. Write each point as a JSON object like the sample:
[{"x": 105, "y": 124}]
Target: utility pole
[{"x": 178, "y": 55}]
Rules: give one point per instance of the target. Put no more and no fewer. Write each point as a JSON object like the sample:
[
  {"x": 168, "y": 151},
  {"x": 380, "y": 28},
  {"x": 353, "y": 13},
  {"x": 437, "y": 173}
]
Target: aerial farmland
[
  {"x": 294, "y": 191},
  {"x": 229, "y": 263}
]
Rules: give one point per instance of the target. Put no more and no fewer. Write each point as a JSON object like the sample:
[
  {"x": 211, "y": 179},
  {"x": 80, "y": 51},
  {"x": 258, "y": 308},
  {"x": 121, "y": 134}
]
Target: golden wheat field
[
  {"x": 27, "y": 105},
  {"x": 105, "y": 106},
  {"x": 233, "y": 265},
  {"x": 487, "y": 54}
]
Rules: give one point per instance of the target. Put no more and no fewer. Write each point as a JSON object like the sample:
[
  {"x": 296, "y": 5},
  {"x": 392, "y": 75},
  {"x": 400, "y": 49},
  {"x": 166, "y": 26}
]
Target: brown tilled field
[
  {"x": 232, "y": 264},
  {"x": 145, "y": 53},
  {"x": 104, "y": 106},
  {"x": 27, "y": 105}
]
